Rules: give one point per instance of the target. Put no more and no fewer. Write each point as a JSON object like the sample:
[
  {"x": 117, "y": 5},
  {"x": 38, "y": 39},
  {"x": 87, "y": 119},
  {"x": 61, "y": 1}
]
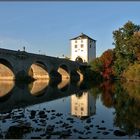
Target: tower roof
[{"x": 82, "y": 36}]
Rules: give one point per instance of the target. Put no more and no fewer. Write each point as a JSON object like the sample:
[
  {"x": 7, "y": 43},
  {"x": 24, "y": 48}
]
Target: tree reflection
[
  {"x": 107, "y": 93},
  {"x": 127, "y": 108},
  {"x": 124, "y": 97}
]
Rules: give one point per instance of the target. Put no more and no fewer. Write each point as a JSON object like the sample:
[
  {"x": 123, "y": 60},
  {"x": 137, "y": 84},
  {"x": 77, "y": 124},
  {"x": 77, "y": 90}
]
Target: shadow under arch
[
  {"x": 6, "y": 70},
  {"x": 38, "y": 70}
]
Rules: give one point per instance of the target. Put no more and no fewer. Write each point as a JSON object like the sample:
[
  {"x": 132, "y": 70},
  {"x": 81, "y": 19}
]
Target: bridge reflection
[
  {"x": 37, "y": 92},
  {"x": 6, "y": 72},
  {"x": 63, "y": 84},
  {"x": 5, "y": 87},
  {"x": 38, "y": 87}
]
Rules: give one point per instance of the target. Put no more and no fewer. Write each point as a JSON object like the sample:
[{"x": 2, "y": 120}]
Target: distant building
[
  {"x": 84, "y": 106},
  {"x": 83, "y": 48}
]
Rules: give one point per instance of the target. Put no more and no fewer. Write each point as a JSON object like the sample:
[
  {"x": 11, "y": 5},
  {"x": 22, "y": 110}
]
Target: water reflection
[
  {"x": 127, "y": 108},
  {"x": 37, "y": 87},
  {"x": 5, "y": 87},
  {"x": 37, "y": 92},
  {"x": 124, "y": 98},
  {"x": 83, "y": 106},
  {"x": 108, "y": 93},
  {"x": 63, "y": 84},
  {"x": 111, "y": 109}
]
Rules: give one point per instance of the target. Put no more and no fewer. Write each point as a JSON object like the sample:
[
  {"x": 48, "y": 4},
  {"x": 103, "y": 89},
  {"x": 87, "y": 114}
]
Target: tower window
[
  {"x": 81, "y": 41},
  {"x": 82, "y": 45},
  {"x": 75, "y": 46},
  {"x": 75, "y": 107},
  {"x": 82, "y": 108},
  {"x": 75, "y": 41}
]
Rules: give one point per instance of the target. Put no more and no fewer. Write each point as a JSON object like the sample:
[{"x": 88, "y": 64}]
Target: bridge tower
[{"x": 83, "y": 48}]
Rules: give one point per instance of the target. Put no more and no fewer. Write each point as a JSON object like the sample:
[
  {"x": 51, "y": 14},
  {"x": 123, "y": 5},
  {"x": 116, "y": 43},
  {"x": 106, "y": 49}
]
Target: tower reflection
[{"x": 83, "y": 106}]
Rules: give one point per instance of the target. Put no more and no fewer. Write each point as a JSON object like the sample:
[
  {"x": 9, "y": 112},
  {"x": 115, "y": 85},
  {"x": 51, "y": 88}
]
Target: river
[{"x": 69, "y": 111}]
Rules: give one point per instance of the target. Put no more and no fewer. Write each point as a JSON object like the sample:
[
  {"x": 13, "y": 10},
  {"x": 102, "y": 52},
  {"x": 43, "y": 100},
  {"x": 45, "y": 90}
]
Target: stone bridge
[{"x": 19, "y": 64}]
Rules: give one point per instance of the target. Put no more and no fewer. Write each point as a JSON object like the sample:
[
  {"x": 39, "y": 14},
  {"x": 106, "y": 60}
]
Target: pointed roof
[{"x": 82, "y": 36}]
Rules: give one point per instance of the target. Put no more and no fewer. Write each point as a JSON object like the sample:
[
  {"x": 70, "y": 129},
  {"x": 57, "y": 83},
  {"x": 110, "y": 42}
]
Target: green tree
[
  {"x": 135, "y": 40},
  {"x": 97, "y": 65},
  {"x": 126, "y": 45}
]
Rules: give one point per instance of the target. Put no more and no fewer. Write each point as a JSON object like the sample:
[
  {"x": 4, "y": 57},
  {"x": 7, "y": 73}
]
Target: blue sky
[{"x": 47, "y": 27}]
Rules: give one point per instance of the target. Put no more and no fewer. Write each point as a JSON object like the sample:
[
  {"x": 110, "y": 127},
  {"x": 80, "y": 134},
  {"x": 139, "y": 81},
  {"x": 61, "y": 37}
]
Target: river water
[{"x": 69, "y": 111}]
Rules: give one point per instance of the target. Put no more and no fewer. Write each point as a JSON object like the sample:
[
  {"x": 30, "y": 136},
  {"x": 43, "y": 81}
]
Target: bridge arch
[
  {"x": 6, "y": 70},
  {"x": 64, "y": 72},
  {"x": 79, "y": 59},
  {"x": 38, "y": 70}
]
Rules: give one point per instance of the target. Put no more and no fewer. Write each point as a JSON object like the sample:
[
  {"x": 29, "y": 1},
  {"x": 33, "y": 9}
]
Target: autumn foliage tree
[
  {"x": 103, "y": 64},
  {"x": 107, "y": 59}
]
